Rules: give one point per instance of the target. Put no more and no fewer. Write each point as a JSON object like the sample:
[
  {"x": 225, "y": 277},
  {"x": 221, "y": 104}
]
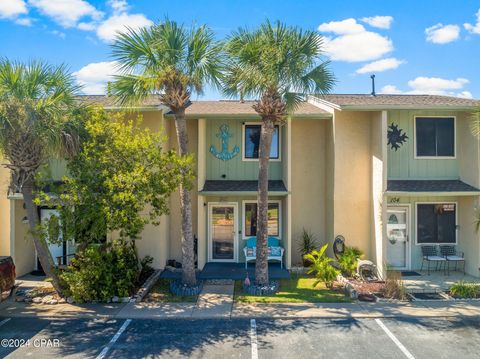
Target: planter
[
  {"x": 259, "y": 290},
  {"x": 179, "y": 289}
]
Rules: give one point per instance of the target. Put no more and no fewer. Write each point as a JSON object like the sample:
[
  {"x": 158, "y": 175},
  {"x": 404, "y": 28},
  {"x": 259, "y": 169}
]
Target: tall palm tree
[
  {"x": 36, "y": 105},
  {"x": 171, "y": 61},
  {"x": 277, "y": 65}
]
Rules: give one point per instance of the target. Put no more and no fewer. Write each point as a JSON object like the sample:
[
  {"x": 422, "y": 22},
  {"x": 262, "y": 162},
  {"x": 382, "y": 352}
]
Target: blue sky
[{"x": 411, "y": 46}]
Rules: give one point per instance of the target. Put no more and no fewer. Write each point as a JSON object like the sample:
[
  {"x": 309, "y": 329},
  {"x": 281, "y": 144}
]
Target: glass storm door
[
  {"x": 397, "y": 237},
  {"x": 222, "y": 232}
]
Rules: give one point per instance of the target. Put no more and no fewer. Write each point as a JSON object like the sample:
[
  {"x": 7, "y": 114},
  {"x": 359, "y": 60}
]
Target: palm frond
[{"x": 475, "y": 123}]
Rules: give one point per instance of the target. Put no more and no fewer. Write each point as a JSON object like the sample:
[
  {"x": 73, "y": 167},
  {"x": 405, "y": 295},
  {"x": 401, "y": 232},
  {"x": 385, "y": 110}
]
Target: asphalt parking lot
[{"x": 260, "y": 338}]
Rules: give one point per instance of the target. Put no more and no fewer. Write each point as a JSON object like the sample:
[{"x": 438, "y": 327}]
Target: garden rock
[
  {"x": 47, "y": 299},
  {"x": 53, "y": 302},
  {"x": 70, "y": 300},
  {"x": 115, "y": 299},
  {"x": 37, "y": 300}
]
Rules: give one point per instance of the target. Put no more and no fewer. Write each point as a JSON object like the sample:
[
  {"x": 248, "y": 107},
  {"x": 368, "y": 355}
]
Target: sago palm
[
  {"x": 172, "y": 62},
  {"x": 36, "y": 105},
  {"x": 277, "y": 65}
]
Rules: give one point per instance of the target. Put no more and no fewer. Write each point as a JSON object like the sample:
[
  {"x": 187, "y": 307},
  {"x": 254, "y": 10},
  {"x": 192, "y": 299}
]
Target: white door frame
[
  {"x": 64, "y": 243},
  {"x": 211, "y": 205},
  {"x": 408, "y": 247}
]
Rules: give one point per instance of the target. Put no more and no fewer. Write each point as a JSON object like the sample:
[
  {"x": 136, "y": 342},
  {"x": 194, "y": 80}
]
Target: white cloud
[
  {"x": 58, "y": 33},
  {"x": 118, "y": 22},
  {"x": 442, "y": 34},
  {"x": 118, "y": 6},
  {"x": 382, "y": 22},
  {"x": 380, "y": 65},
  {"x": 347, "y": 26},
  {"x": 24, "y": 21},
  {"x": 67, "y": 13},
  {"x": 10, "y": 9},
  {"x": 353, "y": 43},
  {"x": 94, "y": 77},
  {"x": 432, "y": 86},
  {"x": 475, "y": 28}
]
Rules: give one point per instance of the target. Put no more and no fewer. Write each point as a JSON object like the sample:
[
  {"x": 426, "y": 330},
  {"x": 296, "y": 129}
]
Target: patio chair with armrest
[
  {"x": 450, "y": 253},
  {"x": 430, "y": 254}
]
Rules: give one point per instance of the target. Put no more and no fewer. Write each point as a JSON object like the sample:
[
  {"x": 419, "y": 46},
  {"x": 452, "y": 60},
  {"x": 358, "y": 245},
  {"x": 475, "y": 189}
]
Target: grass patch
[
  {"x": 160, "y": 292},
  {"x": 294, "y": 290}
]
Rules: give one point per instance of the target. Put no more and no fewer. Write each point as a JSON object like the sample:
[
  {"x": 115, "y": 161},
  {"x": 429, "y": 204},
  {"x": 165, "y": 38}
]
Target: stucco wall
[
  {"x": 24, "y": 252},
  {"x": 352, "y": 178},
  {"x": 308, "y": 182},
  {"x": 4, "y": 212}
]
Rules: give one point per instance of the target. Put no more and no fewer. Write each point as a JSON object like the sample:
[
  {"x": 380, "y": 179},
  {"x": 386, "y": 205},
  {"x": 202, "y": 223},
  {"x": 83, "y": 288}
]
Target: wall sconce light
[
  {"x": 224, "y": 176},
  {"x": 25, "y": 220}
]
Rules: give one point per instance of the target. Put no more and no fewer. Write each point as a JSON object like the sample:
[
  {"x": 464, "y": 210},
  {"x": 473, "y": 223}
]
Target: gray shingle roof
[
  {"x": 386, "y": 101},
  {"x": 241, "y": 186},
  {"x": 209, "y": 108},
  {"x": 429, "y": 186}
]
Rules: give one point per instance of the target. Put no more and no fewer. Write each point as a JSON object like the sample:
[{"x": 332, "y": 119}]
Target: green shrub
[
  {"x": 321, "y": 267},
  {"x": 348, "y": 261},
  {"x": 100, "y": 272},
  {"x": 463, "y": 289}
]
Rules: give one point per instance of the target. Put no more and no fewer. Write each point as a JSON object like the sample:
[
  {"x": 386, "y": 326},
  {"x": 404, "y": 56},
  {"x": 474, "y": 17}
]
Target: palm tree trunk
[
  {"x": 43, "y": 252},
  {"x": 261, "y": 266},
  {"x": 188, "y": 255}
]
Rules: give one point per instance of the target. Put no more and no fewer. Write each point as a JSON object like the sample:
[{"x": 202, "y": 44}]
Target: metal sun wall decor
[
  {"x": 396, "y": 137},
  {"x": 224, "y": 136}
]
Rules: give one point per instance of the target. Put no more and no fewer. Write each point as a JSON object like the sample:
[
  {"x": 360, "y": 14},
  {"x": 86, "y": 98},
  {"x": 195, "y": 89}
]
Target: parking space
[{"x": 421, "y": 338}]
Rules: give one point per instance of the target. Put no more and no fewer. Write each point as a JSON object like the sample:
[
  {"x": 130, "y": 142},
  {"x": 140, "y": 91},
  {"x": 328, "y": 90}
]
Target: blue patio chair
[
  {"x": 430, "y": 254},
  {"x": 450, "y": 253}
]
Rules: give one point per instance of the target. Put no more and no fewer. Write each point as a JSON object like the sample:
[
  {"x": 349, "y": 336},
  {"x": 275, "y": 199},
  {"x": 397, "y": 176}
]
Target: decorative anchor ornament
[{"x": 224, "y": 155}]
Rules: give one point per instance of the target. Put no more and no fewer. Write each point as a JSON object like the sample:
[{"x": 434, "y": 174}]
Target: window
[
  {"x": 250, "y": 219},
  {"x": 436, "y": 223},
  {"x": 252, "y": 142},
  {"x": 435, "y": 137}
]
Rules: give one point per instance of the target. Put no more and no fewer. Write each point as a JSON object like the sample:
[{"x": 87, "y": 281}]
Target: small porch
[
  {"x": 437, "y": 281},
  {"x": 231, "y": 271}
]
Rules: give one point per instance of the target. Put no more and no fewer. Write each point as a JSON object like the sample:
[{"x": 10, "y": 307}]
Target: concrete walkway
[{"x": 215, "y": 301}]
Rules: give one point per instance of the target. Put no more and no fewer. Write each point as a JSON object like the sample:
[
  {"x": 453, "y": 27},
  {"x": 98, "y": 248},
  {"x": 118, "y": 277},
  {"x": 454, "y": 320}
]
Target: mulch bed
[{"x": 367, "y": 287}]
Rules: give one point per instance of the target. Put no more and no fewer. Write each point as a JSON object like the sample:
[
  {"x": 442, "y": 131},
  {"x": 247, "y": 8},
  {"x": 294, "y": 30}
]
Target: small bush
[
  {"x": 100, "y": 272},
  {"x": 394, "y": 288},
  {"x": 146, "y": 269},
  {"x": 321, "y": 267},
  {"x": 348, "y": 261},
  {"x": 463, "y": 289}
]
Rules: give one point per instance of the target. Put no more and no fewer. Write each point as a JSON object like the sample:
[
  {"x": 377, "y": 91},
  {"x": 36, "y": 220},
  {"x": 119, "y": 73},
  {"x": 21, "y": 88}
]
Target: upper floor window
[
  {"x": 435, "y": 136},
  {"x": 251, "y": 142}
]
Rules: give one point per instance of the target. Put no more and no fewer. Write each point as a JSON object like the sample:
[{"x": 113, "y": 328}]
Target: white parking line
[
  {"x": 394, "y": 339},
  {"x": 253, "y": 338},
  {"x": 114, "y": 339},
  {"x": 4, "y": 321}
]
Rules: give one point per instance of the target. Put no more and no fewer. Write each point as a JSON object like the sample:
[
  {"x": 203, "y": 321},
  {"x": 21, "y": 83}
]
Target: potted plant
[{"x": 308, "y": 243}]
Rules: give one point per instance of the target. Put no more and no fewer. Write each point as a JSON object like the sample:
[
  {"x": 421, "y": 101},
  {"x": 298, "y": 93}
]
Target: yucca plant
[
  {"x": 321, "y": 267},
  {"x": 307, "y": 244}
]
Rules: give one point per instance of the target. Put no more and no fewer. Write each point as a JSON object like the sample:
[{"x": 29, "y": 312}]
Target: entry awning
[
  {"x": 226, "y": 187},
  {"x": 431, "y": 188}
]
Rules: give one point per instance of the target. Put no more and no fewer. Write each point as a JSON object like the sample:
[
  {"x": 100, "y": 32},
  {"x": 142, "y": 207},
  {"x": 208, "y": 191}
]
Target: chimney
[{"x": 373, "y": 85}]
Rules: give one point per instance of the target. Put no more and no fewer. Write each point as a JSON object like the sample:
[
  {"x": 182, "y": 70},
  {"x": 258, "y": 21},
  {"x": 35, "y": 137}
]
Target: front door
[
  {"x": 58, "y": 250},
  {"x": 398, "y": 237},
  {"x": 222, "y": 237}
]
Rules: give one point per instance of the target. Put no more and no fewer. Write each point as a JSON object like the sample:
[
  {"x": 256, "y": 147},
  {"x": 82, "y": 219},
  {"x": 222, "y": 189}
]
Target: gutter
[{"x": 432, "y": 194}]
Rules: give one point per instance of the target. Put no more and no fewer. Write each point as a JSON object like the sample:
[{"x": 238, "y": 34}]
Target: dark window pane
[
  {"x": 436, "y": 223},
  {"x": 251, "y": 219},
  {"x": 445, "y": 137},
  {"x": 425, "y": 137},
  {"x": 252, "y": 142},
  {"x": 426, "y": 223}
]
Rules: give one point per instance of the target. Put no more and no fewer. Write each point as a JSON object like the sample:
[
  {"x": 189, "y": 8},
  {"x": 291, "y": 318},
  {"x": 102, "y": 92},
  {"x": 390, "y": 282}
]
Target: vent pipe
[{"x": 373, "y": 85}]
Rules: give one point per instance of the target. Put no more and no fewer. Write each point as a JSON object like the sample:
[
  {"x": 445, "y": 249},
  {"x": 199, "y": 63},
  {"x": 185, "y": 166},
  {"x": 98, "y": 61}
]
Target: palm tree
[
  {"x": 172, "y": 62},
  {"x": 277, "y": 65},
  {"x": 36, "y": 104}
]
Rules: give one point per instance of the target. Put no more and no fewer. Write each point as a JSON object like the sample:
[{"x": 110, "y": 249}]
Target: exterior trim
[
  {"x": 416, "y": 222},
  {"x": 240, "y": 193},
  {"x": 416, "y": 157},
  {"x": 432, "y": 194}
]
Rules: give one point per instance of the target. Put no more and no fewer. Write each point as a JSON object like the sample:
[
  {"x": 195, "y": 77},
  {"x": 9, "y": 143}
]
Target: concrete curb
[{"x": 143, "y": 291}]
